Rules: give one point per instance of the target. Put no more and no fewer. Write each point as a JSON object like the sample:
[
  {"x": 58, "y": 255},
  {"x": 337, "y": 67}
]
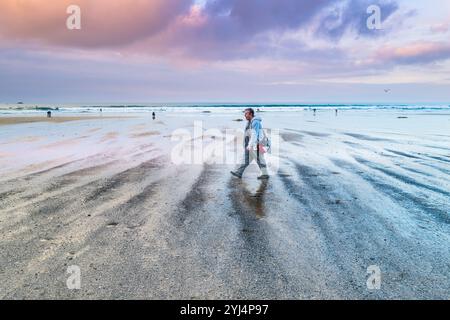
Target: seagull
[{"x": 387, "y": 90}]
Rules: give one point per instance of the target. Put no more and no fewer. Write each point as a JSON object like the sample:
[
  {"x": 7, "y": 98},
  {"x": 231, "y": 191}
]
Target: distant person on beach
[
  {"x": 336, "y": 112},
  {"x": 154, "y": 115},
  {"x": 253, "y": 147},
  {"x": 49, "y": 114},
  {"x": 314, "y": 111}
]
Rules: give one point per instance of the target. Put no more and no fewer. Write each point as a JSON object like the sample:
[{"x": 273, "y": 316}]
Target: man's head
[{"x": 249, "y": 114}]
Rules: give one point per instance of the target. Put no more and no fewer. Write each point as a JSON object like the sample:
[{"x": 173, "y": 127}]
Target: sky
[{"x": 246, "y": 51}]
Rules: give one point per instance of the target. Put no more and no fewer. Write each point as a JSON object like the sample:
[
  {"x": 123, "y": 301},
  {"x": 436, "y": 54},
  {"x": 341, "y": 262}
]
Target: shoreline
[{"x": 54, "y": 119}]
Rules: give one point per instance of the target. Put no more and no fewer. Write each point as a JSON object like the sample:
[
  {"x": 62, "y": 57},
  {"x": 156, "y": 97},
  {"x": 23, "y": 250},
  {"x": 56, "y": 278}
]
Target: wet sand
[
  {"x": 54, "y": 119},
  {"x": 344, "y": 198}
]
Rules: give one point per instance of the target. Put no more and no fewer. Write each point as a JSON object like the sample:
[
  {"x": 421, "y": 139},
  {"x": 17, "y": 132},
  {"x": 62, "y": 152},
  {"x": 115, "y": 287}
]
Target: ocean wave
[{"x": 199, "y": 108}]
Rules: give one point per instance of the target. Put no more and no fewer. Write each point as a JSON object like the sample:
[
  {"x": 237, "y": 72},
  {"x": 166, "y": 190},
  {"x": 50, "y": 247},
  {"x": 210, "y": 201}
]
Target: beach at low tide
[{"x": 107, "y": 194}]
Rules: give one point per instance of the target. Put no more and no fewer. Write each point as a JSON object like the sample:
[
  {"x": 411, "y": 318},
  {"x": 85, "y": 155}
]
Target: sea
[{"x": 25, "y": 109}]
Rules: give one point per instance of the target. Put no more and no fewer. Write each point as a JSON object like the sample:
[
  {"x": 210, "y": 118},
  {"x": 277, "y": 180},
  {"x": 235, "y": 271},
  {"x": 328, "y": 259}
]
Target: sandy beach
[
  {"x": 364, "y": 188},
  {"x": 58, "y": 119}
]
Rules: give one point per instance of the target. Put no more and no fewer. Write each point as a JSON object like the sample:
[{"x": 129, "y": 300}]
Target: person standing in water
[{"x": 253, "y": 148}]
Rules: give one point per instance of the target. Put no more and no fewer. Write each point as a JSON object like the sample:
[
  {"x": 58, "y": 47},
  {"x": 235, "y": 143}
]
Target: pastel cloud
[
  {"x": 441, "y": 27},
  {"x": 414, "y": 53},
  {"x": 350, "y": 15},
  {"x": 242, "y": 29},
  {"x": 104, "y": 22},
  {"x": 144, "y": 50},
  {"x": 220, "y": 28}
]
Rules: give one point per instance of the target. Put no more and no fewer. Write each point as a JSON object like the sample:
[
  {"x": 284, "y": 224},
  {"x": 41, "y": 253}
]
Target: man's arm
[{"x": 255, "y": 129}]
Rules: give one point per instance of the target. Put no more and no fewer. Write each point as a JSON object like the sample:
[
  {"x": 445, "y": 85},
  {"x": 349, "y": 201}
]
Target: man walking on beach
[{"x": 253, "y": 148}]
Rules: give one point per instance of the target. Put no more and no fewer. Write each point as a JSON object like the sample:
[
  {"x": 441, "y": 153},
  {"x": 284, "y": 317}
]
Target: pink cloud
[
  {"x": 415, "y": 53},
  {"x": 219, "y": 30},
  {"x": 104, "y": 22},
  {"x": 441, "y": 27}
]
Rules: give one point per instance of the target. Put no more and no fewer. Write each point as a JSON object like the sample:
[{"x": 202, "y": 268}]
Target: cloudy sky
[{"x": 224, "y": 51}]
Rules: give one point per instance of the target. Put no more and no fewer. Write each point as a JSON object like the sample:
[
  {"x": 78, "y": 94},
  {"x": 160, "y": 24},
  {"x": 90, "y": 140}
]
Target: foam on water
[{"x": 26, "y": 109}]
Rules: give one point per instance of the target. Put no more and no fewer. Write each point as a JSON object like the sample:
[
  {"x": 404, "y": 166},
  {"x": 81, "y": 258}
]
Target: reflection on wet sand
[{"x": 254, "y": 200}]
